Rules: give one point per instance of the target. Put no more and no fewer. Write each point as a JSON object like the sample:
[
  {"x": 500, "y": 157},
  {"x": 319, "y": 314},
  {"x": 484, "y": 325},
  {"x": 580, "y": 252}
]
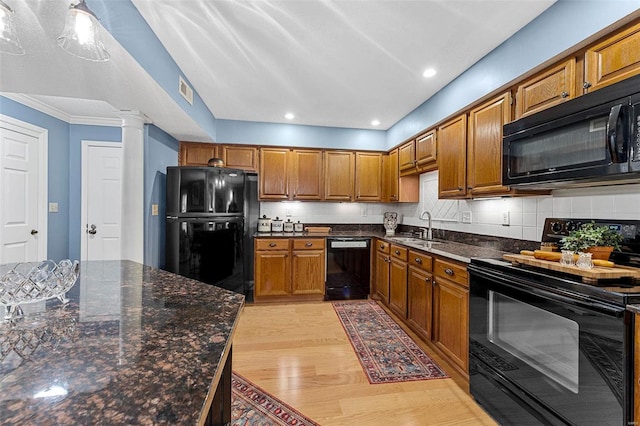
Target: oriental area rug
[
  {"x": 252, "y": 406},
  {"x": 387, "y": 354}
]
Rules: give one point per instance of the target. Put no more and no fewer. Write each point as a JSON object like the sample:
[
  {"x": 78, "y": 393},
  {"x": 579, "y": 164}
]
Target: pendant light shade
[
  {"x": 9, "y": 42},
  {"x": 81, "y": 36}
]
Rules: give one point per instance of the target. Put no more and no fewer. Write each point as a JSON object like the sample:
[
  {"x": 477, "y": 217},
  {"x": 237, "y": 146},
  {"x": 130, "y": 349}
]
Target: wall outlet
[
  {"x": 154, "y": 210},
  {"x": 363, "y": 212},
  {"x": 466, "y": 217},
  {"x": 53, "y": 207},
  {"x": 505, "y": 218}
]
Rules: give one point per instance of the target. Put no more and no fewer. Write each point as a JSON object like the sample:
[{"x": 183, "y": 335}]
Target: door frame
[
  {"x": 42, "y": 135},
  {"x": 85, "y": 144}
]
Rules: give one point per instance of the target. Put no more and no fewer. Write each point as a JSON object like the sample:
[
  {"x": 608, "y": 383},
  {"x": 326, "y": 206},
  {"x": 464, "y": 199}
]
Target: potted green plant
[{"x": 600, "y": 241}]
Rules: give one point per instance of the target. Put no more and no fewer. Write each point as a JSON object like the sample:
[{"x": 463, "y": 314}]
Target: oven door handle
[{"x": 529, "y": 288}]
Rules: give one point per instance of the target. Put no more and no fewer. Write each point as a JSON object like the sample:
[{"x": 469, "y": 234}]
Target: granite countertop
[
  {"x": 135, "y": 345},
  {"x": 451, "y": 249}
]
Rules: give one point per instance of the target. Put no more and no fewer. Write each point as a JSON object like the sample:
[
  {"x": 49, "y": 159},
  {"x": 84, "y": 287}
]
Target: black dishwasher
[{"x": 348, "y": 268}]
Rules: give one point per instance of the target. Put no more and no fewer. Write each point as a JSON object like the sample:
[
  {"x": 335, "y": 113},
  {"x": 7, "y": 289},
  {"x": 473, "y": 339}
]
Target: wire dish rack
[{"x": 30, "y": 283}]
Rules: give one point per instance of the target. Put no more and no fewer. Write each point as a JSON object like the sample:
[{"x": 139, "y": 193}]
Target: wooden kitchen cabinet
[
  {"x": 339, "y": 172},
  {"x": 613, "y": 59},
  {"x": 420, "y": 294},
  {"x": 636, "y": 369},
  {"x": 308, "y": 266},
  {"x": 240, "y": 157},
  {"x": 451, "y": 312},
  {"x": 368, "y": 176},
  {"x": 546, "y": 89},
  {"x": 305, "y": 178},
  {"x": 272, "y": 268},
  {"x": 196, "y": 153},
  {"x": 398, "y": 280},
  {"x": 397, "y": 188},
  {"x": 418, "y": 155},
  {"x": 289, "y": 269},
  {"x": 382, "y": 268},
  {"x": 452, "y": 158},
  {"x": 273, "y": 174},
  {"x": 484, "y": 151}
]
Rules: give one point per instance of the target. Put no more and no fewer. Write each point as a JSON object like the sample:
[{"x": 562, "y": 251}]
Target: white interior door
[
  {"x": 101, "y": 200},
  {"x": 22, "y": 196}
]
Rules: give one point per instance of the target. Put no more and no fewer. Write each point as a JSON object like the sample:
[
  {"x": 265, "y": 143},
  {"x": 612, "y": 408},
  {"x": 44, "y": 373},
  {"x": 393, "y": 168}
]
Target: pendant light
[
  {"x": 9, "y": 42},
  {"x": 81, "y": 34}
]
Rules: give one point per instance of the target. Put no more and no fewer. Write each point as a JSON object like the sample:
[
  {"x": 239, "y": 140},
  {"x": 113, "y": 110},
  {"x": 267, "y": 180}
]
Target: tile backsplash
[{"x": 526, "y": 215}]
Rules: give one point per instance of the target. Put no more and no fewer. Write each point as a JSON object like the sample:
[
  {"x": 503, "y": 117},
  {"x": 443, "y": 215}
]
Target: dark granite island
[{"x": 135, "y": 345}]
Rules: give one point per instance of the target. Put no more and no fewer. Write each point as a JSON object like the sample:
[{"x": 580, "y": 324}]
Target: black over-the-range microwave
[{"x": 590, "y": 140}]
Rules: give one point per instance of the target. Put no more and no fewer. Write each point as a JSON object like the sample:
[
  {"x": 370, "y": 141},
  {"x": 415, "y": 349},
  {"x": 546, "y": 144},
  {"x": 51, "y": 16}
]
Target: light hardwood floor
[{"x": 301, "y": 354}]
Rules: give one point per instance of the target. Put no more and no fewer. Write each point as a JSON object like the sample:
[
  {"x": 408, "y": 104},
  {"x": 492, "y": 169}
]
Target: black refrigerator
[{"x": 206, "y": 225}]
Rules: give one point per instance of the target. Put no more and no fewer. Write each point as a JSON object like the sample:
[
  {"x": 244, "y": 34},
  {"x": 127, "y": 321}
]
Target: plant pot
[{"x": 600, "y": 252}]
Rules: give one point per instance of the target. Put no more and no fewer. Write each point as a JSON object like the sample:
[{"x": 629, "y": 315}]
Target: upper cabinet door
[
  {"x": 452, "y": 158},
  {"x": 273, "y": 174},
  {"x": 426, "y": 148},
  {"x": 368, "y": 176},
  {"x": 240, "y": 157},
  {"x": 196, "y": 153},
  {"x": 306, "y": 175},
  {"x": 407, "y": 156},
  {"x": 613, "y": 59},
  {"x": 551, "y": 87},
  {"x": 338, "y": 175},
  {"x": 484, "y": 152}
]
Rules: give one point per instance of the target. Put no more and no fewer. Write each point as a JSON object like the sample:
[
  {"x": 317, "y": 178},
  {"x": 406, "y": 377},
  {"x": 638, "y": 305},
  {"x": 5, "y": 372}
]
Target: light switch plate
[
  {"x": 466, "y": 217},
  {"x": 154, "y": 210},
  {"x": 505, "y": 218},
  {"x": 53, "y": 207}
]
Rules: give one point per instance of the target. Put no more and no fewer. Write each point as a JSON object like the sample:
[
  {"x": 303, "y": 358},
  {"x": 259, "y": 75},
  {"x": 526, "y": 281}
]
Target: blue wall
[
  {"x": 160, "y": 151},
  {"x": 249, "y": 132},
  {"x": 78, "y": 133},
  {"x": 563, "y": 25},
  {"x": 58, "y": 175}
]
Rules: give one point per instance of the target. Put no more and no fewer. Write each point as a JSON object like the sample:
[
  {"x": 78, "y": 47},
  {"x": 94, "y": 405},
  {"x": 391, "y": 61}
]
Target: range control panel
[{"x": 554, "y": 228}]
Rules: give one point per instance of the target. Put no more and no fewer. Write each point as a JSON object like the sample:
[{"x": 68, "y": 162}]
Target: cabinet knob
[
  {"x": 381, "y": 246},
  {"x": 460, "y": 188},
  {"x": 397, "y": 252},
  {"x": 272, "y": 244},
  {"x": 564, "y": 94},
  {"x": 449, "y": 272},
  {"x": 434, "y": 283},
  {"x": 418, "y": 260},
  {"x": 308, "y": 244},
  {"x": 586, "y": 85}
]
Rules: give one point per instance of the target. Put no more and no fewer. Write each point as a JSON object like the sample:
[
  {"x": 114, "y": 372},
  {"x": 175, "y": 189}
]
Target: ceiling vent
[{"x": 185, "y": 90}]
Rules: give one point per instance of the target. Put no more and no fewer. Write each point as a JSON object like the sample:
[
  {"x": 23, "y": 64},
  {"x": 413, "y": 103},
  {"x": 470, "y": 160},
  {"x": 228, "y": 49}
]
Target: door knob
[
  {"x": 92, "y": 231},
  {"x": 34, "y": 231}
]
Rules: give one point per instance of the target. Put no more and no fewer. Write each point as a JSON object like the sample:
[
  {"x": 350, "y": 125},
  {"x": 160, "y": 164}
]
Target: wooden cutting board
[{"x": 588, "y": 275}]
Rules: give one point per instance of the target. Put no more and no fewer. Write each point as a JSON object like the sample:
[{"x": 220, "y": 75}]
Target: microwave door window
[{"x": 582, "y": 144}]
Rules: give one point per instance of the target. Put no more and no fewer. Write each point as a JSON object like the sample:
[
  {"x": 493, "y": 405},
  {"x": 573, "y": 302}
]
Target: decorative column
[{"x": 132, "y": 220}]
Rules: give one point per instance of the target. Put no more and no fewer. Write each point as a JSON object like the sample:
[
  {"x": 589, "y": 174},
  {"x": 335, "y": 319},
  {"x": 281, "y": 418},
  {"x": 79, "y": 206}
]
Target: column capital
[{"x": 134, "y": 119}]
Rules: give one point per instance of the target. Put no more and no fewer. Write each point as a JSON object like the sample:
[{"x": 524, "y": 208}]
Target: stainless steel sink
[{"x": 415, "y": 241}]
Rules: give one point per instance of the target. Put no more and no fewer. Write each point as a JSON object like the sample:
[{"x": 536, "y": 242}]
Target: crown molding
[{"x": 61, "y": 115}]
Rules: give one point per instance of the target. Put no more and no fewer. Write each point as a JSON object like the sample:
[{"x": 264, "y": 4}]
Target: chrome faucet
[{"x": 429, "y": 231}]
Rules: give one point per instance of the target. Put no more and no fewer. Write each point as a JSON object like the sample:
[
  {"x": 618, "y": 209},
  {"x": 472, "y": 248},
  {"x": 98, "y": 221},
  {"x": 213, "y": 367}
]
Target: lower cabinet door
[
  {"x": 308, "y": 272},
  {"x": 398, "y": 288},
  {"x": 452, "y": 316},
  {"x": 420, "y": 296},
  {"x": 272, "y": 273},
  {"x": 382, "y": 277}
]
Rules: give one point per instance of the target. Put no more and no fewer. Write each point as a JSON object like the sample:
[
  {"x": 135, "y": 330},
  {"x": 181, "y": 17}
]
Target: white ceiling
[{"x": 339, "y": 63}]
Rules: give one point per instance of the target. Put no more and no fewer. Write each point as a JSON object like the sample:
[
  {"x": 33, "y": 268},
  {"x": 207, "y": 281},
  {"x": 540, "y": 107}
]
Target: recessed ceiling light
[
  {"x": 375, "y": 123},
  {"x": 429, "y": 72},
  {"x": 289, "y": 116}
]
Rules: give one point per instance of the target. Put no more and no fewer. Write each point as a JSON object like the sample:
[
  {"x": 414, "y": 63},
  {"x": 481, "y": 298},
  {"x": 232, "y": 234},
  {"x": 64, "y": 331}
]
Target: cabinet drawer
[
  {"x": 420, "y": 260},
  {"x": 399, "y": 252},
  {"x": 308, "y": 243},
  {"x": 382, "y": 246},
  {"x": 272, "y": 244},
  {"x": 451, "y": 271}
]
